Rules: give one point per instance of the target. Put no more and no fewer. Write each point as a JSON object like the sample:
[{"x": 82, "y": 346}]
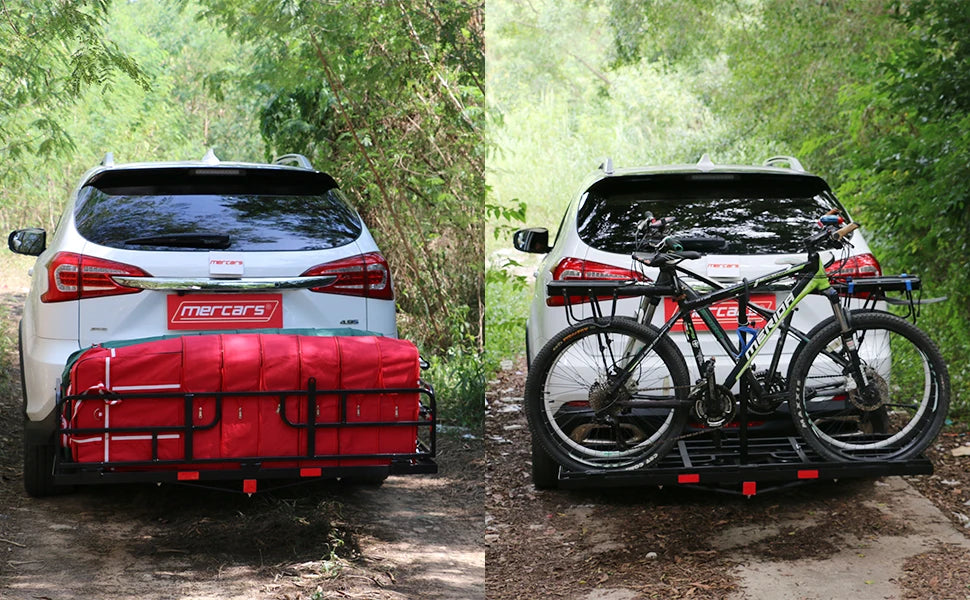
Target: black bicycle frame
[{"x": 810, "y": 277}]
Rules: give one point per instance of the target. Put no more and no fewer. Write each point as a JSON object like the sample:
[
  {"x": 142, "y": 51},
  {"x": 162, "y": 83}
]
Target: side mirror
[
  {"x": 31, "y": 241},
  {"x": 534, "y": 240}
]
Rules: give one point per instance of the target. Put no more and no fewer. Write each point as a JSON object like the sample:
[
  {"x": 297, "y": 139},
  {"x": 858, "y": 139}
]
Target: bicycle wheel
[
  {"x": 576, "y": 418},
  {"x": 895, "y": 415}
]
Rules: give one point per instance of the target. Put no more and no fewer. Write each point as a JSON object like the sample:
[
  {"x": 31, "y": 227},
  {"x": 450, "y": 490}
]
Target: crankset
[
  {"x": 776, "y": 394},
  {"x": 715, "y": 407}
]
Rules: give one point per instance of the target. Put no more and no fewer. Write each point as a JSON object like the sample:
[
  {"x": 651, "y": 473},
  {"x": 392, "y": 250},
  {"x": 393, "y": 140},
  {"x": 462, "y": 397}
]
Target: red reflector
[
  {"x": 689, "y": 478},
  {"x": 310, "y": 472},
  {"x": 808, "y": 474},
  {"x": 249, "y": 486},
  {"x": 749, "y": 488},
  {"x": 188, "y": 476}
]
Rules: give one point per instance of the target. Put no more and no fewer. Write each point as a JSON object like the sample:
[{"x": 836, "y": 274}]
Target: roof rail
[
  {"x": 296, "y": 160},
  {"x": 791, "y": 161},
  {"x": 607, "y": 166},
  {"x": 108, "y": 160}
]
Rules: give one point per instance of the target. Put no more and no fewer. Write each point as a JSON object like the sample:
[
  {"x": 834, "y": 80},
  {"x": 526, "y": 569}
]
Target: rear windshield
[
  {"x": 754, "y": 213},
  {"x": 216, "y": 208}
]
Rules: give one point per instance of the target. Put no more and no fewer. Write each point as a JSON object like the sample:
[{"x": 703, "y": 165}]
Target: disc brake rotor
[{"x": 873, "y": 396}]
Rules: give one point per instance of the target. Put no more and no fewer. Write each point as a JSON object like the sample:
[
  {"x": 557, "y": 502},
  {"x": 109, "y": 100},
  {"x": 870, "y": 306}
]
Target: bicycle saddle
[{"x": 658, "y": 260}]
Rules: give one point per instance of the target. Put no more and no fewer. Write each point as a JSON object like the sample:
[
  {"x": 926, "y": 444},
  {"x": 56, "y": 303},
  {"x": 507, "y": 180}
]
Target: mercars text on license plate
[
  {"x": 726, "y": 313},
  {"x": 225, "y": 311}
]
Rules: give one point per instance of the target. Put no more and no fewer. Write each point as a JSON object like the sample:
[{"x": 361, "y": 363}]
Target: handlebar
[
  {"x": 841, "y": 233},
  {"x": 829, "y": 235}
]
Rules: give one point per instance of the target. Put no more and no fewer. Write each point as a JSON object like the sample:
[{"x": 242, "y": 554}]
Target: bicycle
[{"x": 613, "y": 392}]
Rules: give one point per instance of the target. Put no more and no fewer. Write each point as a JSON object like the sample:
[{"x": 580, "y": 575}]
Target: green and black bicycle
[{"x": 614, "y": 393}]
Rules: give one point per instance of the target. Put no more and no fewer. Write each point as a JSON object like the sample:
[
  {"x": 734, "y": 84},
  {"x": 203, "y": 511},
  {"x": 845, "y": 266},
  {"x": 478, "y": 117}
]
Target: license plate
[
  {"x": 225, "y": 311},
  {"x": 726, "y": 313}
]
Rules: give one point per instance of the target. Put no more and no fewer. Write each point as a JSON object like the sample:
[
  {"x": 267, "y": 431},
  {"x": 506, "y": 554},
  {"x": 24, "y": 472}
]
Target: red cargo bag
[
  {"x": 248, "y": 426},
  {"x": 396, "y": 368},
  {"x": 159, "y": 371}
]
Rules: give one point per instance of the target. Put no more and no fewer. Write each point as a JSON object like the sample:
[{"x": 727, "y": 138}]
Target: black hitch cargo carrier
[
  {"x": 733, "y": 464},
  {"x": 233, "y": 407}
]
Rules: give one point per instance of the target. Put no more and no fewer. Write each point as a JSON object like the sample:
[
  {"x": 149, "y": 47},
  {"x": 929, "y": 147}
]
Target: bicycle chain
[
  {"x": 701, "y": 431},
  {"x": 691, "y": 388}
]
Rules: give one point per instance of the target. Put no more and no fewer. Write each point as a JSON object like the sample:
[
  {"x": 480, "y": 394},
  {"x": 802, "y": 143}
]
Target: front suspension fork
[{"x": 844, "y": 319}]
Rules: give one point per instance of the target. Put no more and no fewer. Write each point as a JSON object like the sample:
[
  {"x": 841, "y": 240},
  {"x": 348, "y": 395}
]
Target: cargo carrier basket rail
[{"x": 301, "y": 465}]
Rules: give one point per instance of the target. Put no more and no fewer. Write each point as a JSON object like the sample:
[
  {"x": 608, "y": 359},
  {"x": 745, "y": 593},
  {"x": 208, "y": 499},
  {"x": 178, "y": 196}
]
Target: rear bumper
[{"x": 44, "y": 361}]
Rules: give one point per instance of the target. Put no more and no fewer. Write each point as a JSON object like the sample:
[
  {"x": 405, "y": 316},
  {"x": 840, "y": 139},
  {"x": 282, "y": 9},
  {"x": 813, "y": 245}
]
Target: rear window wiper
[{"x": 218, "y": 241}]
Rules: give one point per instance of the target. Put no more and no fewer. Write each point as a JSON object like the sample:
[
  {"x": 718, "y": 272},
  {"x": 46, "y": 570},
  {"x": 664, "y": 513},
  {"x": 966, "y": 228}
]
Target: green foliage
[
  {"x": 387, "y": 98},
  {"x": 49, "y": 53},
  {"x": 507, "y": 297},
  {"x": 910, "y": 167},
  {"x": 174, "y": 118},
  {"x": 458, "y": 377},
  {"x": 559, "y": 105}
]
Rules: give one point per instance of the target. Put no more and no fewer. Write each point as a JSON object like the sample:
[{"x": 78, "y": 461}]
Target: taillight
[
  {"x": 72, "y": 276},
  {"x": 577, "y": 269},
  {"x": 364, "y": 275},
  {"x": 862, "y": 265}
]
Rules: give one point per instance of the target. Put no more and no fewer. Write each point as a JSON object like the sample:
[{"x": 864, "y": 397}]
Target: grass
[
  {"x": 458, "y": 378},
  {"x": 507, "y": 297}
]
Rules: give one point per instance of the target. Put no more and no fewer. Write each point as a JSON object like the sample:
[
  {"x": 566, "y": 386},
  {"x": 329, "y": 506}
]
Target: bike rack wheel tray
[
  {"x": 746, "y": 467},
  {"x": 735, "y": 461}
]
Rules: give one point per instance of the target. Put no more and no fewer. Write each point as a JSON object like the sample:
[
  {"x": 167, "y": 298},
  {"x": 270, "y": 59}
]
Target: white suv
[
  {"x": 762, "y": 212},
  {"x": 151, "y": 249}
]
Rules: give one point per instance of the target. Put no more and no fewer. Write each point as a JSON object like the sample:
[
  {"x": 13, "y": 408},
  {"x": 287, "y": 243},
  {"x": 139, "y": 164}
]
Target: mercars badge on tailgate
[
  {"x": 723, "y": 269},
  {"x": 225, "y": 264}
]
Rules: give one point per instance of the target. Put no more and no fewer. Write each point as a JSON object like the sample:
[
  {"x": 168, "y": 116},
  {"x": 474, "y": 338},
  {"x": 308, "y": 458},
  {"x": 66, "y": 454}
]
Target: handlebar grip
[
  {"x": 834, "y": 211},
  {"x": 841, "y": 233}
]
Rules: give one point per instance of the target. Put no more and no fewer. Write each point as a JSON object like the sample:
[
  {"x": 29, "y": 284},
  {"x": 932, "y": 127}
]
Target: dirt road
[
  {"x": 414, "y": 537},
  {"x": 867, "y": 539}
]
